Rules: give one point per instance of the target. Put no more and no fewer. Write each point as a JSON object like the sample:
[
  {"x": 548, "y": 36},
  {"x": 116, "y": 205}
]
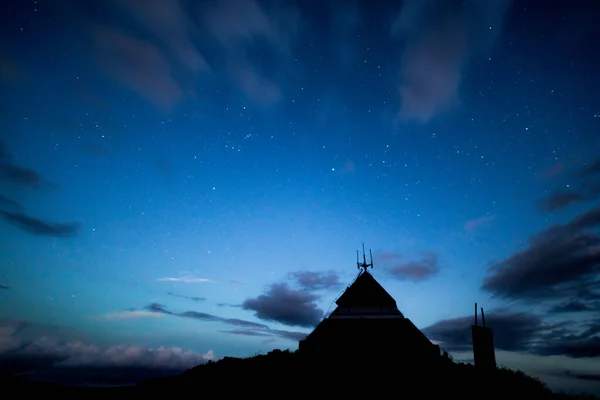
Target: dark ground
[{"x": 286, "y": 374}]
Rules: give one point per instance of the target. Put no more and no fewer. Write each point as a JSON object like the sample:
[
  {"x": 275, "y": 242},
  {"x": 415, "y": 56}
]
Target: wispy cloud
[
  {"x": 129, "y": 314},
  {"x": 165, "y": 65},
  {"x": 239, "y": 326},
  {"x": 415, "y": 270},
  {"x": 288, "y": 306},
  {"x": 441, "y": 40},
  {"x": 14, "y": 213},
  {"x": 478, "y": 223},
  {"x": 25, "y": 177},
  {"x": 552, "y": 171},
  {"x": 584, "y": 187},
  {"x": 40, "y": 227},
  {"x": 522, "y": 332},
  {"x": 137, "y": 65},
  {"x": 186, "y": 279},
  {"x": 40, "y": 351},
  {"x": 313, "y": 280},
  {"x": 192, "y": 298},
  {"x": 6, "y": 202},
  {"x": 560, "y": 263}
]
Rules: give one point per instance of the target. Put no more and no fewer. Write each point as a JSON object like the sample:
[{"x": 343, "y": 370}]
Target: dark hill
[{"x": 284, "y": 373}]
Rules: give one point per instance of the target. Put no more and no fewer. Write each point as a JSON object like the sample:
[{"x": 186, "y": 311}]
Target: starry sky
[{"x": 187, "y": 180}]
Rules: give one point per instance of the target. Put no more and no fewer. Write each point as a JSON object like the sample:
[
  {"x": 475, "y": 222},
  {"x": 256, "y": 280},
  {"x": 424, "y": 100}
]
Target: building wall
[
  {"x": 483, "y": 347},
  {"x": 369, "y": 339}
]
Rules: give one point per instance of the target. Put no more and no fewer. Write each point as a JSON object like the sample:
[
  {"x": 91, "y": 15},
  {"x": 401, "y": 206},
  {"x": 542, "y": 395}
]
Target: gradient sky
[{"x": 185, "y": 180}]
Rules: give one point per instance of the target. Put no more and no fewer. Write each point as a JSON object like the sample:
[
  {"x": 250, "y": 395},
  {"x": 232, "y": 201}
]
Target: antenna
[
  {"x": 364, "y": 257},
  {"x": 475, "y": 314},
  {"x": 482, "y": 317},
  {"x": 364, "y": 264}
]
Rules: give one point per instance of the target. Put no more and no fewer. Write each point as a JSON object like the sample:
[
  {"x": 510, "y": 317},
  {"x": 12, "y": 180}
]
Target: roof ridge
[{"x": 366, "y": 291}]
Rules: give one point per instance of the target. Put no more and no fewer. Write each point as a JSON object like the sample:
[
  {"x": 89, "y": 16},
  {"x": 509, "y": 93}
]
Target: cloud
[
  {"x": 560, "y": 262},
  {"x": 199, "y": 315},
  {"x": 313, "y": 280},
  {"x": 166, "y": 65},
  {"x": 558, "y": 273},
  {"x": 236, "y": 23},
  {"x": 31, "y": 350},
  {"x": 243, "y": 25},
  {"x": 138, "y": 65},
  {"x": 246, "y": 332},
  {"x": 130, "y": 314},
  {"x": 158, "y": 308},
  {"x": 240, "y": 326},
  {"x": 83, "y": 93},
  {"x": 171, "y": 26},
  {"x": 192, "y": 298},
  {"x": 580, "y": 342},
  {"x": 161, "y": 67},
  {"x": 578, "y": 375},
  {"x": 346, "y": 20},
  {"x": 228, "y": 305},
  {"x": 574, "y": 306},
  {"x": 561, "y": 199},
  {"x": 40, "y": 227},
  {"x": 18, "y": 175},
  {"x": 290, "y": 335},
  {"x": 24, "y": 177},
  {"x": 590, "y": 169},
  {"x": 13, "y": 212},
  {"x": 522, "y": 332},
  {"x": 94, "y": 149},
  {"x": 230, "y": 27},
  {"x": 286, "y": 306},
  {"x": 512, "y": 331},
  {"x": 257, "y": 88},
  {"x": 588, "y": 189},
  {"x": 415, "y": 271},
  {"x": 477, "y": 223},
  {"x": 441, "y": 38},
  {"x": 553, "y": 171},
  {"x": 185, "y": 278}
]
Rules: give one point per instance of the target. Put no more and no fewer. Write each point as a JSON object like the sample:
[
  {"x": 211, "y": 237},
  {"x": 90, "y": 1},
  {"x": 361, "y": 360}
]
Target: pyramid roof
[
  {"x": 367, "y": 311},
  {"x": 366, "y": 292}
]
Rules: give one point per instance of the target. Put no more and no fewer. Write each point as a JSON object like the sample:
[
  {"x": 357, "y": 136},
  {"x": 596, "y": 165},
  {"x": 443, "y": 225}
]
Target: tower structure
[
  {"x": 484, "y": 355},
  {"x": 364, "y": 264},
  {"x": 367, "y": 326}
]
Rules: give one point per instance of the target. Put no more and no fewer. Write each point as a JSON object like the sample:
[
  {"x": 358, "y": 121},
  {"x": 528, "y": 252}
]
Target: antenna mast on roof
[{"x": 364, "y": 265}]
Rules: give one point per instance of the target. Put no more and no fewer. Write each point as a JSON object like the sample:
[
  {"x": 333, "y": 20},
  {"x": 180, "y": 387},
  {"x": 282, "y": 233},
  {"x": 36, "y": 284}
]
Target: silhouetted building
[
  {"x": 367, "y": 326},
  {"x": 484, "y": 355}
]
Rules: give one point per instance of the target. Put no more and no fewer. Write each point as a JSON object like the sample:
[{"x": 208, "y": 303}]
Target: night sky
[{"x": 187, "y": 180}]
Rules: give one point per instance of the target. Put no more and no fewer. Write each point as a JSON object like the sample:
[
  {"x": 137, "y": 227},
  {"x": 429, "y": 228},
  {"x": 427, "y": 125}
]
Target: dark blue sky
[{"x": 189, "y": 180}]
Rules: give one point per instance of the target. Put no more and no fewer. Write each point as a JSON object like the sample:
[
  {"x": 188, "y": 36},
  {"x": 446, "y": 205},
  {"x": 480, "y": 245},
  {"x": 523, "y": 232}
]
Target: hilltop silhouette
[
  {"x": 289, "y": 373},
  {"x": 286, "y": 371}
]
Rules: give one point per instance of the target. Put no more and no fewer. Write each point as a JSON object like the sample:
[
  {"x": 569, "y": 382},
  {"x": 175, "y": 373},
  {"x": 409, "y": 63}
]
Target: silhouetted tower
[
  {"x": 364, "y": 264},
  {"x": 484, "y": 354},
  {"x": 367, "y": 328}
]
